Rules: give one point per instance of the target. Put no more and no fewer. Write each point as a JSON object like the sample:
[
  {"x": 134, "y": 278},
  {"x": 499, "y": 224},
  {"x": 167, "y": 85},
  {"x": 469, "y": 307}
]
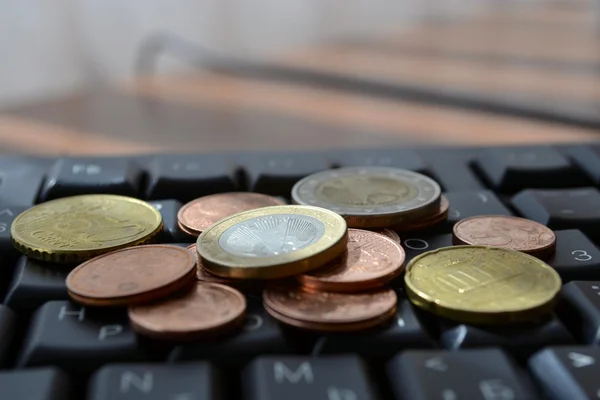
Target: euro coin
[
  {"x": 482, "y": 285},
  {"x": 389, "y": 233},
  {"x": 438, "y": 217},
  {"x": 370, "y": 197},
  {"x": 74, "y": 229},
  {"x": 272, "y": 242}
]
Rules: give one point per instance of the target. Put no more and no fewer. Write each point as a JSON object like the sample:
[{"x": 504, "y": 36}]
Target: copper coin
[
  {"x": 187, "y": 232},
  {"x": 371, "y": 260},
  {"x": 199, "y": 214},
  {"x": 511, "y": 233},
  {"x": 208, "y": 309},
  {"x": 389, "y": 233},
  {"x": 328, "y": 311},
  {"x": 203, "y": 275},
  {"x": 440, "y": 216},
  {"x": 131, "y": 276}
]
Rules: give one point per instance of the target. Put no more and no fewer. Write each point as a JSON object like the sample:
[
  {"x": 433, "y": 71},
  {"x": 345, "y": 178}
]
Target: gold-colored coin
[
  {"x": 74, "y": 229},
  {"x": 370, "y": 197},
  {"x": 272, "y": 242},
  {"x": 479, "y": 284}
]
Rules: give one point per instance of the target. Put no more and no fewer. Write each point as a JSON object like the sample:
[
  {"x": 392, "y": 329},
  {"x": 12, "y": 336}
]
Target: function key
[
  {"x": 398, "y": 158},
  {"x": 509, "y": 169},
  {"x": 187, "y": 177},
  {"x": 35, "y": 384},
  {"x": 73, "y": 176},
  {"x": 469, "y": 203},
  {"x": 576, "y": 257}
]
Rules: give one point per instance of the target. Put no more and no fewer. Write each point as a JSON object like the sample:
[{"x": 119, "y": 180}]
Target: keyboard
[{"x": 52, "y": 348}]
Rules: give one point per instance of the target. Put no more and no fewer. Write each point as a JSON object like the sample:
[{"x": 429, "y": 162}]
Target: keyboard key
[
  {"x": 416, "y": 245},
  {"x": 187, "y": 177},
  {"x": 34, "y": 384},
  {"x": 276, "y": 174},
  {"x": 450, "y": 167},
  {"x": 403, "y": 332},
  {"x": 8, "y": 214},
  {"x": 35, "y": 283},
  {"x": 169, "y": 209},
  {"x": 587, "y": 157},
  {"x": 301, "y": 378},
  {"x": 509, "y": 169},
  {"x": 73, "y": 176},
  {"x": 20, "y": 180},
  {"x": 78, "y": 339},
  {"x": 568, "y": 373},
  {"x": 260, "y": 335},
  {"x": 580, "y": 310},
  {"x": 521, "y": 341},
  {"x": 562, "y": 208},
  {"x": 189, "y": 381},
  {"x": 482, "y": 374},
  {"x": 397, "y": 158},
  {"x": 8, "y": 327},
  {"x": 469, "y": 203},
  {"x": 576, "y": 257}
]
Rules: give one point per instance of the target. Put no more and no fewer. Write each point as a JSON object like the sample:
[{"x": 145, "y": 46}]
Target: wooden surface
[{"x": 548, "y": 55}]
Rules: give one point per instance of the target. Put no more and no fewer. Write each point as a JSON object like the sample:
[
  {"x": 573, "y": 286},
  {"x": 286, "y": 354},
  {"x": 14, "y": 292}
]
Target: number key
[
  {"x": 468, "y": 203},
  {"x": 576, "y": 257}
]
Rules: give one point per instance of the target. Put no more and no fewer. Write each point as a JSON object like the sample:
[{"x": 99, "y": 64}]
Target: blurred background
[{"x": 103, "y": 77}]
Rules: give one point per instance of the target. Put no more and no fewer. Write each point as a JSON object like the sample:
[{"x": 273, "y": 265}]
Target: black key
[
  {"x": 469, "y": 203},
  {"x": 568, "y": 373},
  {"x": 78, "y": 339},
  {"x": 7, "y": 215},
  {"x": 276, "y": 174},
  {"x": 260, "y": 335},
  {"x": 34, "y": 384},
  {"x": 403, "y": 332},
  {"x": 416, "y": 245},
  {"x": 168, "y": 209},
  {"x": 580, "y": 310},
  {"x": 189, "y": 381},
  {"x": 73, "y": 176},
  {"x": 187, "y": 177},
  {"x": 397, "y": 158},
  {"x": 291, "y": 378},
  {"x": 20, "y": 180},
  {"x": 509, "y": 169},
  {"x": 8, "y": 327},
  {"x": 450, "y": 167},
  {"x": 587, "y": 157},
  {"x": 576, "y": 257},
  {"x": 562, "y": 208},
  {"x": 35, "y": 283},
  {"x": 519, "y": 340},
  {"x": 484, "y": 374}
]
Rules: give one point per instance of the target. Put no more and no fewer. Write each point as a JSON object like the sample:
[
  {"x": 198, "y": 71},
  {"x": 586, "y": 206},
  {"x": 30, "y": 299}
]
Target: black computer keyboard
[{"x": 51, "y": 348}]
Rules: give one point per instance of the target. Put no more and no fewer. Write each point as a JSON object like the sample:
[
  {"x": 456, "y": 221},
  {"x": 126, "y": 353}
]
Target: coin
[
  {"x": 370, "y": 197},
  {"x": 389, "y": 233},
  {"x": 197, "y": 215},
  {"x": 132, "y": 276},
  {"x": 73, "y": 229},
  {"x": 208, "y": 309},
  {"x": 485, "y": 285},
  {"x": 371, "y": 260},
  {"x": 272, "y": 242},
  {"x": 508, "y": 232},
  {"x": 325, "y": 311},
  {"x": 439, "y": 216}
]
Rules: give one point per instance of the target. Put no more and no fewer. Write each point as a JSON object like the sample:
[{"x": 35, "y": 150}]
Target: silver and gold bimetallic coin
[
  {"x": 371, "y": 197},
  {"x": 482, "y": 285},
  {"x": 77, "y": 228},
  {"x": 272, "y": 242}
]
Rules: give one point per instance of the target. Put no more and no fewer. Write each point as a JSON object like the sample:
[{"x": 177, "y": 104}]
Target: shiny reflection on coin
[
  {"x": 507, "y": 232},
  {"x": 323, "y": 311},
  {"x": 370, "y": 197},
  {"x": 272, "y": 242},
  {"x": 77, "y": 228},
  {"x": 208, "y": 309},
  {"x": 483, "y": 285},
  {"x": 438, "y": 217},
  {"x": 197, "y": 215},
  {"x": 131, "y": 276},
  {"x": 371, "y": 260},
  {"x": 389, "y": 233}
]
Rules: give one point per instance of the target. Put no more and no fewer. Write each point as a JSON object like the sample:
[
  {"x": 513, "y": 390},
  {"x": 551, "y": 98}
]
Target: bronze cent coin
[
  {"x": 438, "y": 217},
  {"x": 325, "y": 311},
  {"x": 511, "y": 233},
  {"x": 132, "y": 276},
  {"x": 389, "y": 233},
  {"x": 197, "y": 215},
  {"x": 208, "y": 309},
  {"x": 371, "y": 260}
]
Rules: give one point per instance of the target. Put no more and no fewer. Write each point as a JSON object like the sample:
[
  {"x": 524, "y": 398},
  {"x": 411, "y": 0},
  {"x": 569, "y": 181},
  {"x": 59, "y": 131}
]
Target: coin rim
[
  {"x": 427, "y": 222},
  {"x": 429, "y": 303},
  {"x": 228, "y": 265}
]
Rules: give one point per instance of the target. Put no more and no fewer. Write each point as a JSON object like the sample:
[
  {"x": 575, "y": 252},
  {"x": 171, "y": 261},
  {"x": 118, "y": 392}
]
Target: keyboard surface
[{"x": 52, "y": 348}]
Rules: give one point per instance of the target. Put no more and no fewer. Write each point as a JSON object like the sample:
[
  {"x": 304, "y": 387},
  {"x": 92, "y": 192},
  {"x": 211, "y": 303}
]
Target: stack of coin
[{"x": 376, "y": 197}]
